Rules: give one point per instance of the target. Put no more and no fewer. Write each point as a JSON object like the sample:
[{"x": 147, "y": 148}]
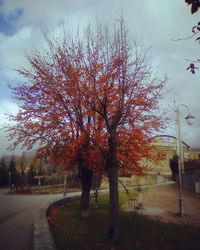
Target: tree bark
[
  {"x": 86, "y": 182},
  {"x": 113, "y": 233}
]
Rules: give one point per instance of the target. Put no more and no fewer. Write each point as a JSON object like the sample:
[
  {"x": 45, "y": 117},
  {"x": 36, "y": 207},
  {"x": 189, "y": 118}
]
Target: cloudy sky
[{"x": 151, "y": 21}]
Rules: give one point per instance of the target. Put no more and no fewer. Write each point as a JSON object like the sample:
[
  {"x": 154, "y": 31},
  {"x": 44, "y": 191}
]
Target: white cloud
[
  {"x": 39, "y": 12},
  {"x": 12, "y": 51},
  {"x": 7, "y": 107},
  {"x": 155, "y": 22}
]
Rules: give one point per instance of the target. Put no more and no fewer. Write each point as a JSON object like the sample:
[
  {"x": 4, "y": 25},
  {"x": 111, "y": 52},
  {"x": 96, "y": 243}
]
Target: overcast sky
[{"x": 151, "y": 21}]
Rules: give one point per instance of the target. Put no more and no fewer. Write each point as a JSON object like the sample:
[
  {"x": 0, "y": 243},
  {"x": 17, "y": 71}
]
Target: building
[{"x": 165, "y": 147}]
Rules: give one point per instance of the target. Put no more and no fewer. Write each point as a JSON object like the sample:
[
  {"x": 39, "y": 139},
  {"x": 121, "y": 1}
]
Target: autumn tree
[
  {"x": 195, "y": 5},
  {"x": 78, "y": 153},
  {"x": 92, "y": 100}
]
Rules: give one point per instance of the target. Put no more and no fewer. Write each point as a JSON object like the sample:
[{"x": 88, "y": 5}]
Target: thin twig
[{"x": 181, "y": 39}]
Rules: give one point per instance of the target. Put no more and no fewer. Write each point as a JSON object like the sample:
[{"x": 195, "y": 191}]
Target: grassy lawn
[
  {"x": 51, "y": 190},
  {"x": 136, "y": 232}
]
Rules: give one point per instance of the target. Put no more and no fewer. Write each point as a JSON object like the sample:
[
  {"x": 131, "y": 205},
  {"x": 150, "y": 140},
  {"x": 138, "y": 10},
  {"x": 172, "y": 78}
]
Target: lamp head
[{"x": 190, "y": 119}]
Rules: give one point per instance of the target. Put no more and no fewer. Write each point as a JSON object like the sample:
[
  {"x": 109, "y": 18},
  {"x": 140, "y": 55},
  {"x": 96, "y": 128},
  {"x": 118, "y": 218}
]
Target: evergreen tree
[
  {"x": 174, "y": 166},
  {"x": 13, "y": 171},
  {"x": 22, "y": 176},
  {"x": 31, "y": 174},
  {"x": 3, "y": 173}
]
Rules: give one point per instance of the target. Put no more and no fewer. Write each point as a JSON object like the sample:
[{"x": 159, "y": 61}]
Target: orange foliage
[{"x": 81, "y": 94}]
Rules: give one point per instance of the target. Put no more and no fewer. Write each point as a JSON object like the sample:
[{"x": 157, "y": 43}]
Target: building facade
[{"x": 165, "y": 147}]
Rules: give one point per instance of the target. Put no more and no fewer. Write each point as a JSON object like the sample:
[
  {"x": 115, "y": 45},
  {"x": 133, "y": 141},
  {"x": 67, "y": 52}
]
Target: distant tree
[
  {"x": 22, "y": 173},
  {"x": 4, "y": 175},
  {"x": 14, "y": 174},
  {"x": 40, "y": 171},
  {"x": 174, "y": 166},
  {"x": 31, "y": 174}
]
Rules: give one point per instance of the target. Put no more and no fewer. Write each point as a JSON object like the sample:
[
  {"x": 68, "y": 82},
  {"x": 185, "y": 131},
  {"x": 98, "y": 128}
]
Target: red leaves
[{"x": 80, "y": 94}]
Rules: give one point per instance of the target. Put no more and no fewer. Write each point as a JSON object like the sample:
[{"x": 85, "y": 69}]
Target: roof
[{"x": 170, "y": 136}]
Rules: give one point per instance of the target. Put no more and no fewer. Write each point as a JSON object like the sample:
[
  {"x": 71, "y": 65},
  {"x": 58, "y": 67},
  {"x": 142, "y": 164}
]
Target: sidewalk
[{"x": 162, "y": 203}]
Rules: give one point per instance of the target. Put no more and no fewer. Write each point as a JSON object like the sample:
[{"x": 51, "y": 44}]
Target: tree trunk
[
  {"x": 113, "y": 233},
  {"x": 86, "y": 182}
]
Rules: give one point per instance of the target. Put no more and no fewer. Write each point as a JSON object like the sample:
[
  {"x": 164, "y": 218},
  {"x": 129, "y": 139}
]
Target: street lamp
[
  {"x": 9, "y": 178},
  {"x": 65, "y": 186},
  {"x": 189, "y": 119}
]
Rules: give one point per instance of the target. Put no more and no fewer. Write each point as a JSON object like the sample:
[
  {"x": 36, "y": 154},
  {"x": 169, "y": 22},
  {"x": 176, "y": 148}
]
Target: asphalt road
[{"x": 17, "y": 214}]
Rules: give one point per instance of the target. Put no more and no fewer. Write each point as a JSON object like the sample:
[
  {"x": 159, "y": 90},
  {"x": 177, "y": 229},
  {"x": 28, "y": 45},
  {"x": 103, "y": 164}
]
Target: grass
[
  {"x": 51, "y": 189},
  {"x": 136, "y": 232}
]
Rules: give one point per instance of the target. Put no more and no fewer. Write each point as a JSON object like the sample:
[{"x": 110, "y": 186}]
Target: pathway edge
[{"x": 42, "y": 236}]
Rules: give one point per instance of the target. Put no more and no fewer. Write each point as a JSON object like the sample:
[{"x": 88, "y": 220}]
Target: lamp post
[
  {"x": 9, "y": 178},
  {"x": 189, "y": 119},
  {"x": 65, "y": 186}
]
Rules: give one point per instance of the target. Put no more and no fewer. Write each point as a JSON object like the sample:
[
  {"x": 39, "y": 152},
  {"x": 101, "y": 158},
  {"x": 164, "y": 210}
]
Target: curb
[{"x": 42, "y": 237}]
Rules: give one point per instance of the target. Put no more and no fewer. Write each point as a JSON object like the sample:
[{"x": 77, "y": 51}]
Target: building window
[
  {"x": 161, "y": 155},
  {"x": 167, "y": 140},
  {"x": 186, "y": 155}
]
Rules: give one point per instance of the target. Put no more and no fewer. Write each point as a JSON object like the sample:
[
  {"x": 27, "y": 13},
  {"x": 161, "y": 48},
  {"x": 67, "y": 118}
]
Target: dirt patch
[
  {"x": 162, "y": 203},
  {"x": 169, "y": 217}
]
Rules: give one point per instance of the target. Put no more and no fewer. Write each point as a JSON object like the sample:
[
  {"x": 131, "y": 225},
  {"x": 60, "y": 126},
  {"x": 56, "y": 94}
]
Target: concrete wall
[
  {"x": 189, "y": 180},
  {"x": 135, "y": 180}
]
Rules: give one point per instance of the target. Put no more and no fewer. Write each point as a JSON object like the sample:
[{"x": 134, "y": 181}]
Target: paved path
[
  {"x": 162, "y": 203},
  {"x": 17, "y": 214}
]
